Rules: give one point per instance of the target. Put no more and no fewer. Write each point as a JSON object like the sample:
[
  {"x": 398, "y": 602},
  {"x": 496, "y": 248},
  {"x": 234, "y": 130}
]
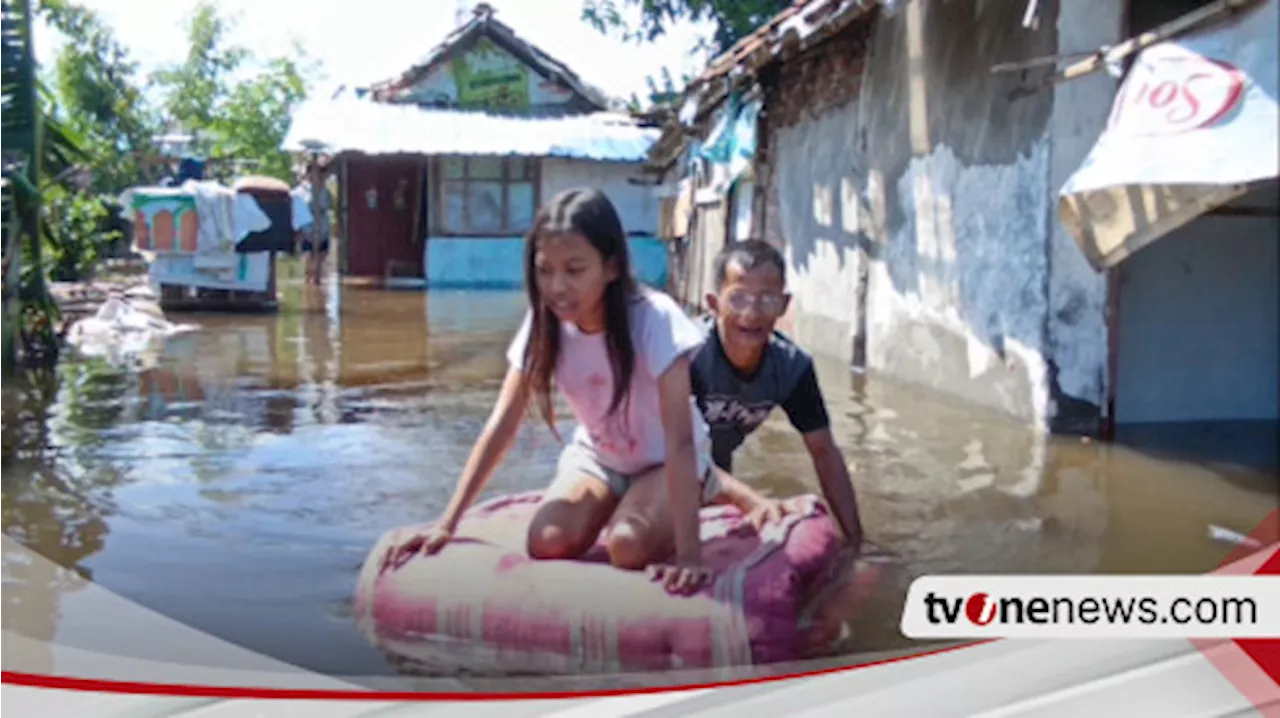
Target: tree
[
  {"x": 236, "y": 113},
  {"x": 98, "y": 93},
  {"x": 194, "y": 89},
  {"x": 733, "y": 19},
  {"x": 254, "y": 119},
  {"x": 38, "y": 151}
]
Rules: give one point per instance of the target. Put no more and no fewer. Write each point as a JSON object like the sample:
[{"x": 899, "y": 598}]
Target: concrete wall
[
  {"x": 1077, "y": 331},
  {"x": 818, "y": 180},
  {"x": 815, "y": 182},
  {"x": 637, "y": 204},
  {"x": 497, "y": 261},
  {"x": 956, "y": 298},
  {"x": 914, "y": 194},
  {"x": 1200, "y": 325},
  {"x": 909, "y": 182}
]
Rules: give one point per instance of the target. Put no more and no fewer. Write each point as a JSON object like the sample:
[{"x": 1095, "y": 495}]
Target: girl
[{"x": 638, "y": 463}]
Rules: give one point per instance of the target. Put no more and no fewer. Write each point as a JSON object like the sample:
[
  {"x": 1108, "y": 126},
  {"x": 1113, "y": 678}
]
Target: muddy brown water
[{"x": 235, "y": 478}]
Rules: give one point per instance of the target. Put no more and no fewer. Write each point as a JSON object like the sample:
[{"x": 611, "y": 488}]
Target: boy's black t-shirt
[{"x": 735, "y": 405}]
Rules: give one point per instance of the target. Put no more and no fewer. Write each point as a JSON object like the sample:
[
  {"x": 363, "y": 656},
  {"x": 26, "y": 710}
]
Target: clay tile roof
[{"x": 797, "y": 23}]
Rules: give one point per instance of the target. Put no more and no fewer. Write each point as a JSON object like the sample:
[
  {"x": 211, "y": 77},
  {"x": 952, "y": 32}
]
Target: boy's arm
[
  {"x": 807, "y": 411},
  {"x": 837, "y": 485}
]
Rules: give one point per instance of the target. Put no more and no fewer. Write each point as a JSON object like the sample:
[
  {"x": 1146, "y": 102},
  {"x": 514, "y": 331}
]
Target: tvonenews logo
[{"x": 1093, "y": 607}]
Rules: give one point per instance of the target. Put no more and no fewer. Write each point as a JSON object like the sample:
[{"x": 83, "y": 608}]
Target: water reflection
[{"x": 235, "y": 478}]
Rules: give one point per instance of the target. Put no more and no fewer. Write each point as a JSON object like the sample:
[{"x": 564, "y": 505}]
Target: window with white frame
[{"x": 488, "y": 195}]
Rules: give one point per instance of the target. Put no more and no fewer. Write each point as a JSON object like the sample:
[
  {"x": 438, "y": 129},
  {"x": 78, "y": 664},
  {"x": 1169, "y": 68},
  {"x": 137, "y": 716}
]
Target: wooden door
[{"x": 382, "y": 196}]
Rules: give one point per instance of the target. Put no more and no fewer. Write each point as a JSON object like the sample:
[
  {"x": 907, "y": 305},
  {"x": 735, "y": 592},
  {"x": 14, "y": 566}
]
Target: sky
[{"x": 371, "y": 40}]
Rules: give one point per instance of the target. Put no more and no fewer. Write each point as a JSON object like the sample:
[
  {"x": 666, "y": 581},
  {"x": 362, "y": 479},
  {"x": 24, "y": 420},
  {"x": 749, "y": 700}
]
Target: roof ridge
[{"x": 484, "y": 22}]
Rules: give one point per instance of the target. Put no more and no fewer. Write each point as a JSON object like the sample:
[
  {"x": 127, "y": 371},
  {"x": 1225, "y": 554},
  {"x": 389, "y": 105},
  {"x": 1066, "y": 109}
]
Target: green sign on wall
[{"x": 490, "y": 78}]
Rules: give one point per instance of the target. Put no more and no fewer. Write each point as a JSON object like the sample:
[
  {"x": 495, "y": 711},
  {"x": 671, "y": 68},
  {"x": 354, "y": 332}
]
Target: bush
[{"x": 78, "y": 230}]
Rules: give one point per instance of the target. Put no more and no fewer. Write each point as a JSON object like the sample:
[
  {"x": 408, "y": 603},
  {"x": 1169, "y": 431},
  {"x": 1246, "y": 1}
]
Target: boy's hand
[{"x": 767, "y": 511}]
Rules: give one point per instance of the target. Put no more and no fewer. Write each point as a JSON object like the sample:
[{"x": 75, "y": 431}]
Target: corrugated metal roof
[{"x": 354, "y": 125}]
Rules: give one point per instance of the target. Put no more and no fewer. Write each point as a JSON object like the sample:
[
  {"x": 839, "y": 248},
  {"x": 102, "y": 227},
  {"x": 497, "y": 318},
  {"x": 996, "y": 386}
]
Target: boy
[{"x": 744, "y": 368}]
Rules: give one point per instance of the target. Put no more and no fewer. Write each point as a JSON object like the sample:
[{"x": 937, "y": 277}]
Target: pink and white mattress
[{"x": 482, "y": 605}]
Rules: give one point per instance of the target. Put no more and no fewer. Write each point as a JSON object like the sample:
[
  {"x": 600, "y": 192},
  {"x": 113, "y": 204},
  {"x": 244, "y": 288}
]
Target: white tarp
[
  {"x": 120, "y": 330},
  {"x": 1193, "y": 126}
]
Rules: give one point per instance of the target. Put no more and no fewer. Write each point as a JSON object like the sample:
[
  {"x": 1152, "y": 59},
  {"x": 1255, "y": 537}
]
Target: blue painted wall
[{"x": 497, "y": 262}]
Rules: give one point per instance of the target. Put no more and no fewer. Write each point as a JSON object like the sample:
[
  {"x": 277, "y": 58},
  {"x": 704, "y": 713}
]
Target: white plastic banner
[{"x": 1192, "y": 126}]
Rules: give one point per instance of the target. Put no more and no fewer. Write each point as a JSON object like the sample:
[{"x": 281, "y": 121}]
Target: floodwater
[{"x": 235, "y": 479}]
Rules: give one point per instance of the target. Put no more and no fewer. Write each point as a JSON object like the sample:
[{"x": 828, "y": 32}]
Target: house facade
[
  {"x": 442, "y": 168},
  {"x": 907, "y": 157}
]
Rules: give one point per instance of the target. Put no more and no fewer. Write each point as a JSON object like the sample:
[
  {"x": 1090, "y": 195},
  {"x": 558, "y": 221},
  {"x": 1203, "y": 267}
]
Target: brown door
[{"x": 383, "y": 204}]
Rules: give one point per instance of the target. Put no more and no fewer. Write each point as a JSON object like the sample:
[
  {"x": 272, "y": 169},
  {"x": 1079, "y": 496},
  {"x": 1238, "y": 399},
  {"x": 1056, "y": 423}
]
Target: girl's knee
[
  {"x": 630, "y": 545},
  {"x": 547, "y": 540}
]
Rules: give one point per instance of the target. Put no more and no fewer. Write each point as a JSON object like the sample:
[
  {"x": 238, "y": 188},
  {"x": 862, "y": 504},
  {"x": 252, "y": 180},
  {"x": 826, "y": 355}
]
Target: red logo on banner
[
  {"x": 1170, "y": 90},
  {"x": 980, "y": 609}
]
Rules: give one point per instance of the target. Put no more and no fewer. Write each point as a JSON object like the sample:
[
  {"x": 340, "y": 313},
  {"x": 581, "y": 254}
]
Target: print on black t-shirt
[{"x": 735, "y": 405}]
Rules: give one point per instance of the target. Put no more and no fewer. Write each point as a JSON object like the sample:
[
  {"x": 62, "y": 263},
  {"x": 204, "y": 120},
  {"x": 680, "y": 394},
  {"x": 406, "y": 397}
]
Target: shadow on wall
[
  {"x": 966, "y": 211},
  {"x": 948, "y": 195}
]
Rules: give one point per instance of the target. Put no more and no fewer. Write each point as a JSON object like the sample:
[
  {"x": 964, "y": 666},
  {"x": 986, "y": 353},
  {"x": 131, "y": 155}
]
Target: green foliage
[
  {"x": 76, "y": 232},
  {"x": 98, "y": 92},
  {"x": 67, "y": 150},
  {"x": 206, "y": 93},
  {"x": 254, "y": 118},
  {"x": 233, "y": 116},
  {"x": 195, "y": 88},
  {"x": 731, "y": 19}
]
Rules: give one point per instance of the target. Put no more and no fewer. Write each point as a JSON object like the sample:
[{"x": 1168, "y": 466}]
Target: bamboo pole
[{"x": 1086, "y": 63}]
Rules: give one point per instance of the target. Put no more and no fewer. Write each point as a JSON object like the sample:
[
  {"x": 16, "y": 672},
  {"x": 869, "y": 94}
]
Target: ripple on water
[{"x": 237, "y": 480}]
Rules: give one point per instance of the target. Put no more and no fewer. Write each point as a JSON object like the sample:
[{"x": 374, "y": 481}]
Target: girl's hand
[
  {"x": 427, "y": 542},
  {"x": 681, "y": 578}
]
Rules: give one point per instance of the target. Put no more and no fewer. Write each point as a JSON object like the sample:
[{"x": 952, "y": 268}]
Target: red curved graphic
[
  {"x": 263, "y": 693},
  {"x": 1253, "y": 667},
  {"x": 1233, "y": 99}
]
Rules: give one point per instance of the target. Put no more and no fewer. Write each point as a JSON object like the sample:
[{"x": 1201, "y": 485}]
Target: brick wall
[{"x": 824, "y": 78}]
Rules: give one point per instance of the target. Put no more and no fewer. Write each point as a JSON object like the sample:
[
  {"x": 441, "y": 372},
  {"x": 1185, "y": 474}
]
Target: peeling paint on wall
[
  {"x": 818, "y": 181},
  {"x": 1078, "y": 294},
  {"x": 956, "y": 297},
  {"x": 947, "y": 238}
]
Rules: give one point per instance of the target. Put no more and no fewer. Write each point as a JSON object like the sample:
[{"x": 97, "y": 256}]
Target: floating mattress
[{"x": 481, "y": 605}]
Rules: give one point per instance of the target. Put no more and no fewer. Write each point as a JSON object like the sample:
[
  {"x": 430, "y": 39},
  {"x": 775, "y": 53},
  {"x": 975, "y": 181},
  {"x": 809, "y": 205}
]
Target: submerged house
[
  {"x": 949, "y": 185},
  {"x": 441, "y": 169}
]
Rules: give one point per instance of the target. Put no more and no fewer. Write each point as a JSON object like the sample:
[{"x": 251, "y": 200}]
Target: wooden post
[
  {"x": 1111, "y": 314},
  {"x": 344, "y": 212}
]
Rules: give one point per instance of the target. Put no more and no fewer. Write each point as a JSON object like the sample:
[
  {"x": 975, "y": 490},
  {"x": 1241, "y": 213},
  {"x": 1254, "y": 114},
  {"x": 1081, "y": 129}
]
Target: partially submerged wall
[
  {"x": 922, "y": 192},
  {"x": 1077, "y": 321}
]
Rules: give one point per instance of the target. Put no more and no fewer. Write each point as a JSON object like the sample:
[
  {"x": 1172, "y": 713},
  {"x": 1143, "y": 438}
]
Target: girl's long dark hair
[{"x": 590, "y": 214}]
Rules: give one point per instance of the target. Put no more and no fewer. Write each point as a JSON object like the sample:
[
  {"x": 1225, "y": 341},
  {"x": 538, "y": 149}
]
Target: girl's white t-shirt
[{"x": 632, "y": 440}]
